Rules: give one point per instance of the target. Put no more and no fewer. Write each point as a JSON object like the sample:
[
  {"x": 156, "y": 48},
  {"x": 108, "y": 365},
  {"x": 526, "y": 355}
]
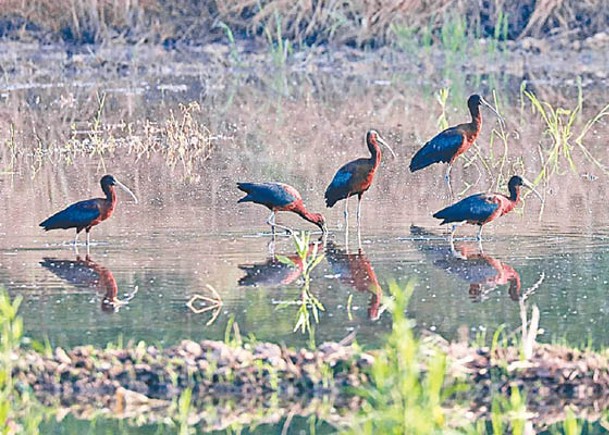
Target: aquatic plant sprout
[
  {"x": 309, "y": 304},
  {"x": 560, "y": 125}
]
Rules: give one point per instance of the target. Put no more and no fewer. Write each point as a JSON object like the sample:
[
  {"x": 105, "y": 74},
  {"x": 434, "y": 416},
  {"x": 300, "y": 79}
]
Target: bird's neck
[
  {"x": 305, "y": 214},
  {"x": 375, "y": 152},
  {"x": 476, "y": 117},
  {"x": 110, "y": 194},
  {"x": 514, "y": 194}
]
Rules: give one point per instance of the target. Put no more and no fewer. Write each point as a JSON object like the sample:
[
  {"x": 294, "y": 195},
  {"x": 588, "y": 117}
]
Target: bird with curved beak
[
  {"x": 454, "y": 141},
  {"x": 280, "y": 197},
  {"x": 83, "y": 215},
  {"x": 355, "y": 177},
  {"x": 482, "y": 208}
]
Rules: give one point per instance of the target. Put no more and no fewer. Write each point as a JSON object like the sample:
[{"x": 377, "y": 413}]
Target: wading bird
[
  {"x": 452, "y": 142},
  {"x": 86, "y": 273},
  {"x": 482, "y": 208},
  {"x": 83, "y": 215},
  {"x": 274, "y": 273},
  {"x": 355, "y": 177},
  {"x": 279, "y": 197},
  {"x": 356, "y": 271},
  {"x": 482, "y": 272}
]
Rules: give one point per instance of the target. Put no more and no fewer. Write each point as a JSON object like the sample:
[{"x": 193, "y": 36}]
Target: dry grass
[{"x": 355, "y": 22}]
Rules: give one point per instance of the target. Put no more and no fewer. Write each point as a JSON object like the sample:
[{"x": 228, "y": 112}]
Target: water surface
[{"x": 188, "y": 231}]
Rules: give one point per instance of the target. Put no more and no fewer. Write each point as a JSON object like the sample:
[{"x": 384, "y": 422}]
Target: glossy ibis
[
  {"x": 274, "y": 273},
  {"x": 482, "y": 208},
  {"x": 356, "y": 271},
  {"x": 482, "y": 272},
  {"x": 452, "y": 142},
  {"x": 355, "y": 177},
  {"x": 83, "y": 215},
  {"x": 280, "y": 197},
  {"x": 86, "y": 273}
]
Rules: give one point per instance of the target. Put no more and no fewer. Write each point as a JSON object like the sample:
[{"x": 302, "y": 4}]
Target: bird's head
[
  {"x": 374, "y": 136},
  {"x": 319, "y": 220},
  {"x": 109, "y": 180},
  {"x": 475, "y": 101},
  {"x": 517, "y": 181}
]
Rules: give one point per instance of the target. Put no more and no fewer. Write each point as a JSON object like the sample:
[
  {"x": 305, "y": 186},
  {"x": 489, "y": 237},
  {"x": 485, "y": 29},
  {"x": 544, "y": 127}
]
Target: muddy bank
[
  {"x": 26, "y": 66},
  {"x": 124, "y": 383},
  {"x": 554, "y": 378},
  {"x": 210, "y": 368}
]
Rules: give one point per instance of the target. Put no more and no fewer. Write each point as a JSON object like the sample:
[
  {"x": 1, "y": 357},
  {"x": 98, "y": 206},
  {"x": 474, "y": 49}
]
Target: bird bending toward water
[
  {"x": 83, "y": 215},
  {"x": 355, "y": 177},
  {"x": 482, "y": 208},
  {"x": 279, "y": 197},
  {"x": 452, "y": 142}
]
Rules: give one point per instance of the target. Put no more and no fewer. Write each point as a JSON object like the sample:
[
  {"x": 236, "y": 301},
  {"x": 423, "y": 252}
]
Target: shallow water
[{"x": 188, "y": 231}]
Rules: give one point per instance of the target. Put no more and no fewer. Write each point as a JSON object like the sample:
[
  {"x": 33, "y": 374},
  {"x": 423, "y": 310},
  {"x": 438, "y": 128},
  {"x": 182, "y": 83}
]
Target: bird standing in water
[
  {"x": 355, "y": 177},
  {"x": 482, "y": 208},
  {"x": 84, "y": 215},
  {"x": 452, "y": 142},
  {"x": 280, "y": 197}
]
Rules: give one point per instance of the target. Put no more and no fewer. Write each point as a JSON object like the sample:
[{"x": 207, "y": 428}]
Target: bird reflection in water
[
  {"x": 271, "y": 273},
  {"x": 86, "y": 273},
  {"x": 355, "y": 270},
  {"x": 483, "y": 272}
]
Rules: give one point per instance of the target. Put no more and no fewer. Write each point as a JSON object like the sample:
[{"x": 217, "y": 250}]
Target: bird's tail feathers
[
  {"x": 419, "y": 161},
  {"x": 247, "y": 188},
  {"x": 330, "y": 200}
]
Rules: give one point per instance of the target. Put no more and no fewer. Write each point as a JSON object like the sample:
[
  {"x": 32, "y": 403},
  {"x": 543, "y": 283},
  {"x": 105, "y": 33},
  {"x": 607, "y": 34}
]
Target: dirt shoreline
[
  {"x": 125, "y": 382},
  {"x": 536, "y": 61}
]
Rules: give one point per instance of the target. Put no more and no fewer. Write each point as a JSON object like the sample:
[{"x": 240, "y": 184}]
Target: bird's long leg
[
  {"x": 359, "y": 212},
  {"x": 346, "y": 221},
  {"x": 271, "y": 222},
  {"x": 271, "y": 247},
  {"x": 88, "y": 239},
  {"x": 347, "y": 214},
  {"x": 76, "y": 238},
  {"x": 452, "y": 233},
  {"x": 479, "y": 236},
  {"x": 447, "y": 179},
  {"x": 480, "y": 247},
  {"x": 454, "y": 251}
]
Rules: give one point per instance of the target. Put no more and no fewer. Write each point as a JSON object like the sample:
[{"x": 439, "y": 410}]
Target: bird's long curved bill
[
  {"x": 126, "y": 189},
  {"x": 529, "y": 185},
  {"x": 487, "y": 104},
  {"x": 381, "y": 141}
]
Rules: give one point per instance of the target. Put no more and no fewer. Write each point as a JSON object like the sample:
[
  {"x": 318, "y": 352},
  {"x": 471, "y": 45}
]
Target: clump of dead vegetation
[{"x": 357, "y": 22}]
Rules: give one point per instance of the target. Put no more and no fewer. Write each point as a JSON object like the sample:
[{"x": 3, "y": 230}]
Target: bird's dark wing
[
  {"x": 78, "y": 215},
  {"x": 77, "y": 273},
  {"x": 475, "y": 208},
  {"x": 346, "y": 180},
  {"x": 441, "y": 148},
  {"x": 272, "y": 273},
  {"x": 269, "y": 194}
]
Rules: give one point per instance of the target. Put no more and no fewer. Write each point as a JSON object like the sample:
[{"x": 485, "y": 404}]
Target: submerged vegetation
[
  {"x": 309, "y": 258},
  {"x": 561, "y": 128}
]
